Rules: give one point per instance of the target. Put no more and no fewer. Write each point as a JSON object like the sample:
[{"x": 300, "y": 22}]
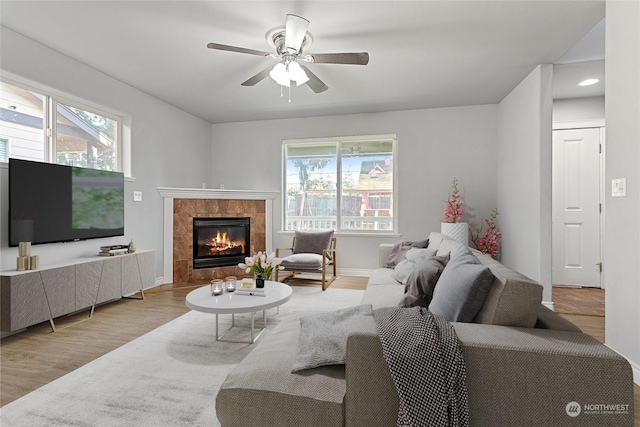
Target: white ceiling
[{"x": 423, "y": 54}]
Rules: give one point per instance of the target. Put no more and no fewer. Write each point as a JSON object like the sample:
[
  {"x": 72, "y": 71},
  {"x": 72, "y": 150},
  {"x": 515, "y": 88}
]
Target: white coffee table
[{"x": 232, "y": 303}]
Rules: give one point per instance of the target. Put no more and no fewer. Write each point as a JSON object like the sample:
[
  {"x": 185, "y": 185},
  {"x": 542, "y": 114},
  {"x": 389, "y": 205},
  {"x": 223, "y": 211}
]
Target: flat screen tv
[{"x": 51, "y": 203}]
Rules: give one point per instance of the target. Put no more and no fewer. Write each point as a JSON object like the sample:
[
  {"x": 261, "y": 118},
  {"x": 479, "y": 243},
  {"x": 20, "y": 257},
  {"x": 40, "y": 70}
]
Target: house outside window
[
  {"x": 46, "y": 128},
  {"x": 344, "y": 184}
]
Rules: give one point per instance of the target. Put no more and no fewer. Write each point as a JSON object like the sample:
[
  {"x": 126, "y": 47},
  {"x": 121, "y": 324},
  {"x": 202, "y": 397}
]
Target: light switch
[
  {"x": 137, "y": 196},
  {"x": 619, "y": 187}
]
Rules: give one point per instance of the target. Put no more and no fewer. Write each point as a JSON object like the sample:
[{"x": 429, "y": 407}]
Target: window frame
[
  {"x": 51, "y": 97},
  {"x": 338, "y": 140}
]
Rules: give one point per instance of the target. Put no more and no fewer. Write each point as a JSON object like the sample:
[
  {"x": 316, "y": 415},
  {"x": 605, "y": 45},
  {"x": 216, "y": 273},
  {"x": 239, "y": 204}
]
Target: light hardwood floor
[{"x": 37, "y": 356}]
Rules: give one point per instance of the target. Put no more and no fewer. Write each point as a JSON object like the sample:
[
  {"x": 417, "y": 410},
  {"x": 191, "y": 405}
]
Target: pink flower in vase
[
  {"x": 487, "y": 243},
  {"x": 453, "y": 208}
]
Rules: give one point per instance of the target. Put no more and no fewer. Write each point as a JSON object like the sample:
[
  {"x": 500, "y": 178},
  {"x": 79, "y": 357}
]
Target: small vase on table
[{"x": 260, "y": 280}]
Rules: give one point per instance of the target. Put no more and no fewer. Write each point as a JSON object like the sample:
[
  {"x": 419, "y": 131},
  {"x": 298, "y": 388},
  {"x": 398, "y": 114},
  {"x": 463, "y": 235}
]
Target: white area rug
[{"x": 168, "y": 377}]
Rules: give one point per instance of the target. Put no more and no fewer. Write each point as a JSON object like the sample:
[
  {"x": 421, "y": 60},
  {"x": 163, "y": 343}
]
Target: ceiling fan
[{"x": 290, "y": 43}]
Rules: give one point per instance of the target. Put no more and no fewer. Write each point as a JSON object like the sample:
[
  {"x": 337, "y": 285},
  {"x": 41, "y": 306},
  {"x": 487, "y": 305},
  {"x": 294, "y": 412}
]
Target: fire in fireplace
[{"x": 219, "y": 242}]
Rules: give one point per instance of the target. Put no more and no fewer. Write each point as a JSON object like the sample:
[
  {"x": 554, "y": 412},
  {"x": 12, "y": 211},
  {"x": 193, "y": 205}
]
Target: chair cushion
[
  {"x": 312, "y": 242},
  {"x": 302, "y": 262}
]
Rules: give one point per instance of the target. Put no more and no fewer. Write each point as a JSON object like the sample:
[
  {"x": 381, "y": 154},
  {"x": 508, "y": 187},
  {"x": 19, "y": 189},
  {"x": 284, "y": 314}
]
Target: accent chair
[{"x": 310, "y": 252}]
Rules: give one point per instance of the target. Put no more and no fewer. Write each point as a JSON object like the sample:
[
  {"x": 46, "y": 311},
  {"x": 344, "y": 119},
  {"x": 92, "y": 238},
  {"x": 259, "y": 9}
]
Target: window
[
  {"x": 46, "y": 128},
  {"x": 345, "y": 184}
]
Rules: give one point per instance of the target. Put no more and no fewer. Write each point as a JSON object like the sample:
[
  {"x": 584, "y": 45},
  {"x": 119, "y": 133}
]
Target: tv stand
[{"x": 34, "y": 296}]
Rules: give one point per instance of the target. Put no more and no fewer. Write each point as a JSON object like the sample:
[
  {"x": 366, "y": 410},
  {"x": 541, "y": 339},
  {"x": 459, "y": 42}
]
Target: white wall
[
  {"x": 576, "y": 109},
  {"x": 434, "y": 146},
  {"x": 622, "y": 215},
  {"x": 524, "y": 177},
  {"x": 168, "y": 146}
]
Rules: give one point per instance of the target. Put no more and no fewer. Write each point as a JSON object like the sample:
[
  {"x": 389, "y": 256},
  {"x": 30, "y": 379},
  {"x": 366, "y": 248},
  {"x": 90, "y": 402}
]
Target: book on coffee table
[{"x": 253, "y": 291}]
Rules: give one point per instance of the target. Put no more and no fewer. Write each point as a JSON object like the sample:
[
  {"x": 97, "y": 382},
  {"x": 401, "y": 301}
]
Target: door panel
[{"x": 576, "y": 207}]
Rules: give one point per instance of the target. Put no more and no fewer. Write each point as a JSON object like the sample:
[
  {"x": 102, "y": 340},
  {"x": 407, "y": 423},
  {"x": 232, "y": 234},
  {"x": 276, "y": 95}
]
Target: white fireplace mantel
[
  {"x": 169, "y": 194},
  {"x": 206, "y": 193}
]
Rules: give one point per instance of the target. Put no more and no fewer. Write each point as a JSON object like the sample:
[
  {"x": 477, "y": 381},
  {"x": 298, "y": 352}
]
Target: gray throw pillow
[
  {"x": 400, "y": 249},
  {"x": 323, "y": 337},
  {"x": 312, "y": 242},
  {"x": 462, "y": 288},
  {"x": 422, "y": 282}
]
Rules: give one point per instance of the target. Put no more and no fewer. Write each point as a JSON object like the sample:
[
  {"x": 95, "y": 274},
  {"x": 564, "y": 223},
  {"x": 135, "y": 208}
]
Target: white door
[{"x": 576, "y": 208}]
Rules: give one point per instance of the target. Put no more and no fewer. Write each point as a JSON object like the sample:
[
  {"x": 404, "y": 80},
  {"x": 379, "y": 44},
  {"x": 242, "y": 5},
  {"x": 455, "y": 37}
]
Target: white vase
[{"x": 456, "y": 230}]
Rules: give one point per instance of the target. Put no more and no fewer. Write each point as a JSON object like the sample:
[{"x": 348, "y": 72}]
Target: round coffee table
[{"x": 233, "y": 303}]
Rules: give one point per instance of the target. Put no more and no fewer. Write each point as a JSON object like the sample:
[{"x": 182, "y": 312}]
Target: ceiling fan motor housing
[{"x": 276, "y": 38}]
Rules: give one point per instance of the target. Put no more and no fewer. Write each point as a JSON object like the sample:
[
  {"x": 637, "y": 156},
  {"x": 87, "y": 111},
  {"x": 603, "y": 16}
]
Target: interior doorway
[{"x": 577, "y": 204}]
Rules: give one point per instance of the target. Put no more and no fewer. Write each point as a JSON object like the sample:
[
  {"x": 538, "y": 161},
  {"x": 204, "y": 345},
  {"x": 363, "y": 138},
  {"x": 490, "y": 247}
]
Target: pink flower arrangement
[
  {"x": 261, "y": 264},
  {"x": 453, "y": 209},
  {"x": 487, "y": 243}
]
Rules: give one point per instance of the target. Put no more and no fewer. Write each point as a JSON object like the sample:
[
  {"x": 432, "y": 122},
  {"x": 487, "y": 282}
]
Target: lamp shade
[
  {"x": 279, "y": 72},
  {"x": 297, "y": 73}
]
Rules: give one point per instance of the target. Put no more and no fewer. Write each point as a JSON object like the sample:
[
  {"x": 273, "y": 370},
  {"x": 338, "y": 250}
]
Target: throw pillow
[
  {"x": 422, "y": 281},
  {"x": 323, "y": 337},
  {"x": 399, "y": 250},
  {"x": 404, "y": 268},
  {"x": 312, "y": 242},
  {"x": 462, "y": 288}
]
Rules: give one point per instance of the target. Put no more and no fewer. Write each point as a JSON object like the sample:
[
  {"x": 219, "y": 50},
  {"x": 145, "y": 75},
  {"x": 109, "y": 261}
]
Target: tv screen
[{"x": 54, "y": 203}]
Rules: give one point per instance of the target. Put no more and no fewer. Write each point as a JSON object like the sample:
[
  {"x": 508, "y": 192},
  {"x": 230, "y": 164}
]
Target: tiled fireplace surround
[{"x": 182, "y": 205}]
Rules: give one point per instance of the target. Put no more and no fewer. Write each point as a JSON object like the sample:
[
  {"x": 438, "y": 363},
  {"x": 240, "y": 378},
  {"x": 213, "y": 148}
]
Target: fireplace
[{"x": 219, "y": 242}]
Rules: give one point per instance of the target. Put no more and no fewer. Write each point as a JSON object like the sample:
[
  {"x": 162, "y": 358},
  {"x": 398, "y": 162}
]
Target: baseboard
[
  {"x": 550, "y": 305},
  {"x": 159, "y": 281},
  {"x": 354, "y": 272}
]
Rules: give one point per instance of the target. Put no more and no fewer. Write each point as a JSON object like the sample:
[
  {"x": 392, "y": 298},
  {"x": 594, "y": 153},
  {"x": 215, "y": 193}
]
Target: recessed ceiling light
[{"x": 588, "y": 82}]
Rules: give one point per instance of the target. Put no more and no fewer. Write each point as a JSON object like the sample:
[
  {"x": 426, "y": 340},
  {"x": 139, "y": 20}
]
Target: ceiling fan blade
[
  {"x": 294, "y": 32},
  {"x": 355, "y": 58},
  {"x": 314, "y": 82},
  {"x": 237, "y": 49},
  {"x": 258, "y": 77}
]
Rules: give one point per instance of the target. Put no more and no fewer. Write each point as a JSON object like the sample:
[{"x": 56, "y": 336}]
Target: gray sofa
[{"x": 526, "y": 366}]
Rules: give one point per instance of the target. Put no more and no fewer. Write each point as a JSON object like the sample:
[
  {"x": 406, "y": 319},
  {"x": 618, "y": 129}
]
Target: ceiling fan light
[
  {"x": 301, "y": 78},
  {"x": 297, "y": 73},
  {"x": 278, "y": 72},
  {"x": 294, "y": 67},
  {"x": 284, "y": 81},
  {"x": 280, "y": 75}
]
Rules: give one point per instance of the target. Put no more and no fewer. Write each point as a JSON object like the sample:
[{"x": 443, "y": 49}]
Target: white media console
[{"x": 34, "y": 296}]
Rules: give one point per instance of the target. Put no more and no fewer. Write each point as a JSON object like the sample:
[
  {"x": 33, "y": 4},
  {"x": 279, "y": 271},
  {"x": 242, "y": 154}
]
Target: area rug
[{"x": 168, "y": 377}]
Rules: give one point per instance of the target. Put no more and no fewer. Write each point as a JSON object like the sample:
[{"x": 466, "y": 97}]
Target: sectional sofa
[{"x": 525, "y": 366}]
